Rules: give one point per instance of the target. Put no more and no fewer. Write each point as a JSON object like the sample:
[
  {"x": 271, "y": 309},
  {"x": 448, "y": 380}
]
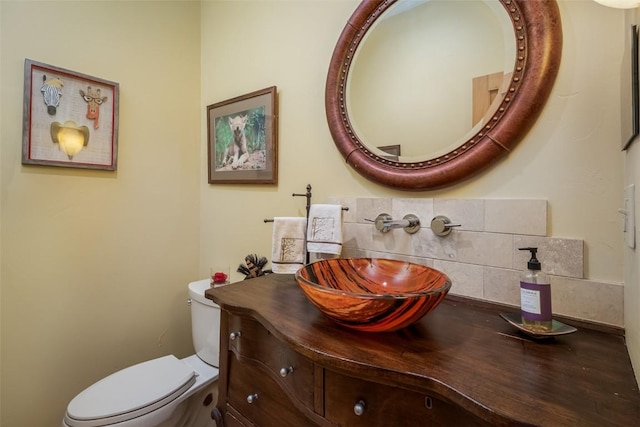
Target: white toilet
[{"x": 164, "y": 392}]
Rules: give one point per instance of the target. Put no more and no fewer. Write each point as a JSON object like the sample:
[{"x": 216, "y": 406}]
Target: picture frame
[
  {"x": 630, "y": 91},
  {"x": 70, "y": 119},
  {"x": 249, "y": 121}
]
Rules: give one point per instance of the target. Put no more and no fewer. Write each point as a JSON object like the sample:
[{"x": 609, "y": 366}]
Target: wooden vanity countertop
[{"x": 464, "y": 352}]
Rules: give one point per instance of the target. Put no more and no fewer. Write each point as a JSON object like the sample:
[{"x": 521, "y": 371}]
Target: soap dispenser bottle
[{"x": 535, "y": 296}]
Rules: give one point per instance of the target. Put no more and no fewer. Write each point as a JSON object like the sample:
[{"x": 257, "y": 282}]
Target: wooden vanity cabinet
[
  {"x": 377, "y": 403},
  {"x": 269, "y": 384},
  {"x": 269, "y": 405},
  {"x": 284, "y": 364}
]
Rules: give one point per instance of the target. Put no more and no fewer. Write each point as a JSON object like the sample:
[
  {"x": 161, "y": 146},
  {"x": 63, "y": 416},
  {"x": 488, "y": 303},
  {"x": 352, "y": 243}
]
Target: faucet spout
[
  {"x": 385, "y": 223},
  {"x": 397, "y": 223}
]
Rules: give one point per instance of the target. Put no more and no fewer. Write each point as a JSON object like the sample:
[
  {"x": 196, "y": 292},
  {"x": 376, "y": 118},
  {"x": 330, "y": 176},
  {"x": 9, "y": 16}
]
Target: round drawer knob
[
  {"x": 252, "y": 398},
  {"x": 359, "y": 408},
  {"x": 286, "y": 371},
  {"x": 234, "y": 335}
]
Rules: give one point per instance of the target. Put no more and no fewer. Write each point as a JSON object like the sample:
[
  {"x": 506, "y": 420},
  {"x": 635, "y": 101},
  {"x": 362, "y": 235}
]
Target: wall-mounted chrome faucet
[
  {"x": 384, "y": 223},
  {"x": 441, "y": 225}
]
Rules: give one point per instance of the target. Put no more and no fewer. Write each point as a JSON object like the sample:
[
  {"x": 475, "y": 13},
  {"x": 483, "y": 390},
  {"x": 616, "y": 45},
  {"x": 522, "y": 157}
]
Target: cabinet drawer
[
  {"x": 381, "y": 403},
  {"x": 230, "y": 420},
  {"x": 268, "y": 405},
  {"x": 292, "y": 371}
]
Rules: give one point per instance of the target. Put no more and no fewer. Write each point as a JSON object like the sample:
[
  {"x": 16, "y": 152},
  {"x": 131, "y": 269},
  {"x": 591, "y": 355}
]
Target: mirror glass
[
  {"x": 511, "y": 51},
  {"x": 428, "y": 74}
]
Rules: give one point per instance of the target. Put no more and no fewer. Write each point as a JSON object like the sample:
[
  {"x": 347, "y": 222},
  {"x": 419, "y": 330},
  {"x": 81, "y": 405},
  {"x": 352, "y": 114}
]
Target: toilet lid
[{"x": 131, "y": 392}]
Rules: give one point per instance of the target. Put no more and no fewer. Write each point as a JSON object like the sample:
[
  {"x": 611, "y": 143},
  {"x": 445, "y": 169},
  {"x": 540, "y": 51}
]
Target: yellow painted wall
[
  {"x": 632, "y": 256},
  {"x": 632, "y": 266},
  {"x": 571, "y": 157},
  {"x": 95, "y": 264},
  {"x": 82, "y": 251},
  {"x": 1, "y": 198}
]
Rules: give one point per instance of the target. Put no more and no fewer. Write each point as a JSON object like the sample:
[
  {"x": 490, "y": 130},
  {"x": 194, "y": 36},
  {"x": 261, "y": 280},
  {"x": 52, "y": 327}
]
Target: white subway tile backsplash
[
  {"x": 357, "y": 235},
  {"x": 394, "y": 241},
  {"x": 386, "y": 255},
  {"x": 502, "y": 285},
  {"x": 516, "y": 216},
  {"x": 560, "y": 257},
  {"x": 490, "y": 249},
  {"x": 586, "y": 299},
  {"x": 370, "y": 208},
  {"x": 422, "y": 208},
  {"x": 481, "y": 257},
  {"x": 428, "y": 245},
  {"x": 469, "y": 213},
  {"x": 466, "y": 279}
]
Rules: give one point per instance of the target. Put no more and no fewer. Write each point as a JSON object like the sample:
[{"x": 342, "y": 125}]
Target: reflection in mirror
[
  {"x": 536, "y": 31},
  {"x": 428, "y": 73}
]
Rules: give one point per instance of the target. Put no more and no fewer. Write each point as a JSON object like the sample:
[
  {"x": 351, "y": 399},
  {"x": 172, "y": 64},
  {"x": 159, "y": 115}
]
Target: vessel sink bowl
[{"x": 371, "y": 294}]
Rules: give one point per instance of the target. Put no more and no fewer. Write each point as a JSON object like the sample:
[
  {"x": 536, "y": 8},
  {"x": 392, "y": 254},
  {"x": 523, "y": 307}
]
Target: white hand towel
[
  {"x": 324, "y": 234},
  {"x": 288, "y": 250}
]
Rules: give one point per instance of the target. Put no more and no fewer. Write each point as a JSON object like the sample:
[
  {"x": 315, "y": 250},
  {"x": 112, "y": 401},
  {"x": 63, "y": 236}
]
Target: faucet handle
[
  {"x": 414, "y": 223},
  {"x": 441, "y": 225},
  {"x": 382, "y": 222}
]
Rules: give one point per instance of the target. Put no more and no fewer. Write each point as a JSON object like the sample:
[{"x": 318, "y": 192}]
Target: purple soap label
[{"x": 535, "y": 301}]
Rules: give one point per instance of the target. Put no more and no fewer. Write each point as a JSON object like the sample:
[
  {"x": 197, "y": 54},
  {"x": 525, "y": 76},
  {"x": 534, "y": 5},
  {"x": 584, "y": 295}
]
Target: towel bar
[
  {"x": 344, "y": 208},
  {"x": 308, "y": 207}
]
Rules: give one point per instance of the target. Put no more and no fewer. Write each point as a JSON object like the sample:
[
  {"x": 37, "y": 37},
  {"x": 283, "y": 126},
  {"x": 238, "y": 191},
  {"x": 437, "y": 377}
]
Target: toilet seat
[{"x": 130, "y": 393}]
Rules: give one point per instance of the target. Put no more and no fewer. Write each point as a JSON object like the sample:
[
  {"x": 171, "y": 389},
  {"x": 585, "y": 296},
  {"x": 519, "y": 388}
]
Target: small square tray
[{"x": 557, "y": 328}]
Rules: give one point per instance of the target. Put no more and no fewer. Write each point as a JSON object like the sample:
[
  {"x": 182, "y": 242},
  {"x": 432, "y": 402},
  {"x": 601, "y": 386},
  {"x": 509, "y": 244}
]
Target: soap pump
[{"x": 535, "y": 296}]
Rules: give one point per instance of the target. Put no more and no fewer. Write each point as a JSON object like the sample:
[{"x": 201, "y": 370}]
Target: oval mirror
[{"x": 391, "y": 123}]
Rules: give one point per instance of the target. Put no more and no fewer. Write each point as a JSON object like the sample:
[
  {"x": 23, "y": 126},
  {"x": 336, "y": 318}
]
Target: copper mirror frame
[{"x": 538, "y": 32}]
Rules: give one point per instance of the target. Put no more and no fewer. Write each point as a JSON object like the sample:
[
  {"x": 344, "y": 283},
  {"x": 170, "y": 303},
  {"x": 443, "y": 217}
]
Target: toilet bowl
[{"x": 163, "y": 392}]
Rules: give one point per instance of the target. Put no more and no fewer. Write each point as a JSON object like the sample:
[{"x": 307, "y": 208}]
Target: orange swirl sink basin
[{"x": 371, "y": 294}]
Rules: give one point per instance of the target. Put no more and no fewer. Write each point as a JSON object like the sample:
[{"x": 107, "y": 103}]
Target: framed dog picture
[
  {"x": 243, "y": 139},
  {"x": 69, "y": 119}
]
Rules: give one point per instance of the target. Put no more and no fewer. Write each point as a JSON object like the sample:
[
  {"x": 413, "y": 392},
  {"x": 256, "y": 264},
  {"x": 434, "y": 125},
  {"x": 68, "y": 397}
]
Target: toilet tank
[{"x": 205, "y": 323}]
